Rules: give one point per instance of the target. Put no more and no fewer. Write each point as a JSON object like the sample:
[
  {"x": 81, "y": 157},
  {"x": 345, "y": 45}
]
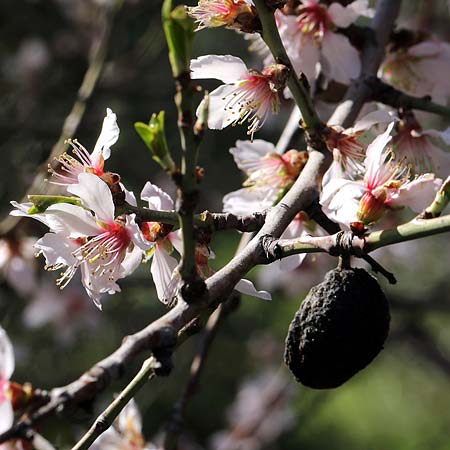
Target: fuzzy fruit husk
[{"x": 339, "y": 329}]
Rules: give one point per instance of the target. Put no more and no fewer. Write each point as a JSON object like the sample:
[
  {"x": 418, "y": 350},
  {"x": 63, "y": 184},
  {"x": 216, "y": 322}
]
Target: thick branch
[{"x": 383, "y": 93}]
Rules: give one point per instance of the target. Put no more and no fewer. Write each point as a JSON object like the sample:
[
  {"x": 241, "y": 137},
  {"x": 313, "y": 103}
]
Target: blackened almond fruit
[{"x": 339, "y": 329}]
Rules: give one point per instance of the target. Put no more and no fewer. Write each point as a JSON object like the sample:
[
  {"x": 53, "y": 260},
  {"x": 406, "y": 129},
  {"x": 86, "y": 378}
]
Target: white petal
[
  {"x": 162, "y": 269},
  {"x": 57, "y": 249},
  {"x": 305, "y": 57},
  {"x": 375, "y": 153},
  {"x": 246, "y": 287},
  {"x": 176, "y": 240},
  {"x": 218, "y": 116},
  {"x": 247, "y": 153},
  {"x": 131, "y": 262},
  {"x": 247, "y": 201},
  {"x": 157, "y": 199},
  {"x": 95, "y": 195},
  {"x": 417, "y": 194},
  {"x": 443, "y": 135},
  {"x": 342, "y": 62},
  {"x": 380, "y": 116},
  {"x": 340, "y": 200},
  {"x": 226, "y": 68},
  {"x": 6, "y": 418},
  {"x": 72, "y": 220},
  {"x": 108, "y": 137},
  {"x": 129, "y": 419},
  {"x": 136, "y": 235},
  {"x": 343, "y": 16},
  {"x": 6, "y": 356},
  {"x": 130, "y": 198}
]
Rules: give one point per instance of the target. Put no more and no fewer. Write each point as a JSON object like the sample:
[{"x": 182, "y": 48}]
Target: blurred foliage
[{"x": 401, "y": 401}]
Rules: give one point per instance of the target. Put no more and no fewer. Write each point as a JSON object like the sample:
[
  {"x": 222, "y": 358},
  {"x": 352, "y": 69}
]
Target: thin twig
[{"x": 106, "y": 418}]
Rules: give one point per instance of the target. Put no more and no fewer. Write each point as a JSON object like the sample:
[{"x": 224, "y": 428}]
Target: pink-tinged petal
[
  {"x": 246, "y": 201},
  {"x": 343, "y": 16},
  {"x": 305, "y": 57},
  {"x": 418, "y": 193},
  {"x": 108, "y": 137},
  {"x": 380, "y": 116},
  {"x": 375, "y": 153},
  {"x": 176, "y": 240},
  {"x": 218, "y": 116},
  {"x": 57, "y": 249},
  {"x": 162, "y": 269},
  {"x": 135, "y": 233},
  {"x": 425, "y": 49},
  {"x": 248, "y": 153},
  {"x": 226, "y": 68},
  {"x": 95, "y": 195},
  {"x": 6, "y": 356},
  {"x": 342, "y": 62},
  {"x": 6, "y": 416},
  {"x": 292, "y": 262},
  {"x": 442, "y": 135},
  {"x": 72, "y": 220},
  {"x": 157, "y": 199},
  {"x": 340, "y": 200},
  {"x": 247, "y": 287}
]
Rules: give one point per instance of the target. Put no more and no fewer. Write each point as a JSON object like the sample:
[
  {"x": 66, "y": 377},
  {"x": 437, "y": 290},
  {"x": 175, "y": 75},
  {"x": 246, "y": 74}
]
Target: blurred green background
[{"x": 401, "y": 401}]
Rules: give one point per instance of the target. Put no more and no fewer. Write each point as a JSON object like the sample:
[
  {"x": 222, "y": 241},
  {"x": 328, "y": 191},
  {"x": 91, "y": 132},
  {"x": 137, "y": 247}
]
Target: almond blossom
[
  {"x": 164, "y": 265},
  {"x": 6, "y": 370},
  {"x": 217, "y": 13},
  {"x": 419, "y": 147},
  {"x": 348, "y": 146},
  {"x": 247, "y": 95},
  {"x": 126, "y": 432},
  {"x": 105, "y": 248},
  {"x": 269, "y": 175},
  {"x": 312, "y": 43},
  {"x": 71, "y": 167},
  {"x": 386, "y": 184},
  {"x": 420, "y": 69}
]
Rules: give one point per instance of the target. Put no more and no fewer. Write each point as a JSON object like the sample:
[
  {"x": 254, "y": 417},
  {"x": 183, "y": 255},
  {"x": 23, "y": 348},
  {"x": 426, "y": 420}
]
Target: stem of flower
[{"x": 298, "y": 87}]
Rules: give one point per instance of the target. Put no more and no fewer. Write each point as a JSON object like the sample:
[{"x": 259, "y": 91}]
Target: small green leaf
[{"x": 42, "y": 202}]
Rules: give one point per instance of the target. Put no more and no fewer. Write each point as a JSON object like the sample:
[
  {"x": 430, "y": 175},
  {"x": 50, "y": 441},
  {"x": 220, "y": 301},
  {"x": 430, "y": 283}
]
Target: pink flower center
[
  {"x": 314, "y": 20},
  {"x": 215, "y": 13}
]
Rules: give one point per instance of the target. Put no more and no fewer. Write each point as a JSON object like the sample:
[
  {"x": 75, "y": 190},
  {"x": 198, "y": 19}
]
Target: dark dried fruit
[{"x": 339, "y": 329}]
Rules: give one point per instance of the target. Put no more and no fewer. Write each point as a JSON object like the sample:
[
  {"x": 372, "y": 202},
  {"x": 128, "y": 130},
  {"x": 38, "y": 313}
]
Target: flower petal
[
  {"x": 247, "y": 153},
  {"x": 248, "y": 200},
  {"x": 108, "y": 137},
  {"x": 417, "y": 194},
  {"x": 344, "y": 16},
  {"x": 6, "y": 356},
  {"x": 219, "y": 115},
  {"x": 95, "y": 194},
  {"x": 226, "y": 68},
  {"x": 380, "y": 116},
  {"x": 157, "y": 199},
  {"x": 6, "y": 417},
  {"x": 342, "y": 62},
  {"x": 162, "y": 269},
  {"x": 57, "y": 249},
  {"x": 136, "y": 234},
  {"x": 247, "y": 287}
]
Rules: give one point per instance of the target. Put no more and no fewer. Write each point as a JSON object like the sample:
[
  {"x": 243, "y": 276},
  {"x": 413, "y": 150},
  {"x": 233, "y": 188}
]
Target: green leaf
[{"x": 42, "y": 202}]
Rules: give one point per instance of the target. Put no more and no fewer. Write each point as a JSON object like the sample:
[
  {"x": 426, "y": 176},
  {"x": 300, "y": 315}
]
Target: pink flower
[
  {"x": 104, "y": 247},
  {"x": 217, "y": 13},
  {"x": 386, "y": 184},
  {"x": 247, "y": 95},
  {"x": 269, "y": 175},
  {"x": 6, "y": 370},
  {"x": 420, "y": 69},
  {"x": 71, "y": 167},
  {"x": 418, "y": 147},
  {"x": 311, "y": 41}
]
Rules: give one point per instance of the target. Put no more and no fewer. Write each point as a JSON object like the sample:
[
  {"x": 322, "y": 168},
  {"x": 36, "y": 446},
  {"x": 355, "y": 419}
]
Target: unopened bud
[{"x": 371, "y": 208}]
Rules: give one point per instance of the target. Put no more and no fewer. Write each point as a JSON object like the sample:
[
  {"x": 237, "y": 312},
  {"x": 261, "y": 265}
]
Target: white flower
[
  {"x": 217, "y": 13},
  {"x": 105, "y": 248},
  {"x": 269, "y": 174},
  {"x": 312, "y": 44},
  {"x": 421, "y": 69},
  {"x": 386, "y": 184},
  {"x": 418, "y": 147},
  {"x": 6, "y": 370},
  {"x": 246, "y": 95},
  {"x": 71, "y": 167}
]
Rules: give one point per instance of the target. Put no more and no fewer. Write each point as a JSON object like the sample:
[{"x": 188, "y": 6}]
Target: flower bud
[
  {"x": 370, "y": 209},
  {"x": 339, "y": 329}
]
